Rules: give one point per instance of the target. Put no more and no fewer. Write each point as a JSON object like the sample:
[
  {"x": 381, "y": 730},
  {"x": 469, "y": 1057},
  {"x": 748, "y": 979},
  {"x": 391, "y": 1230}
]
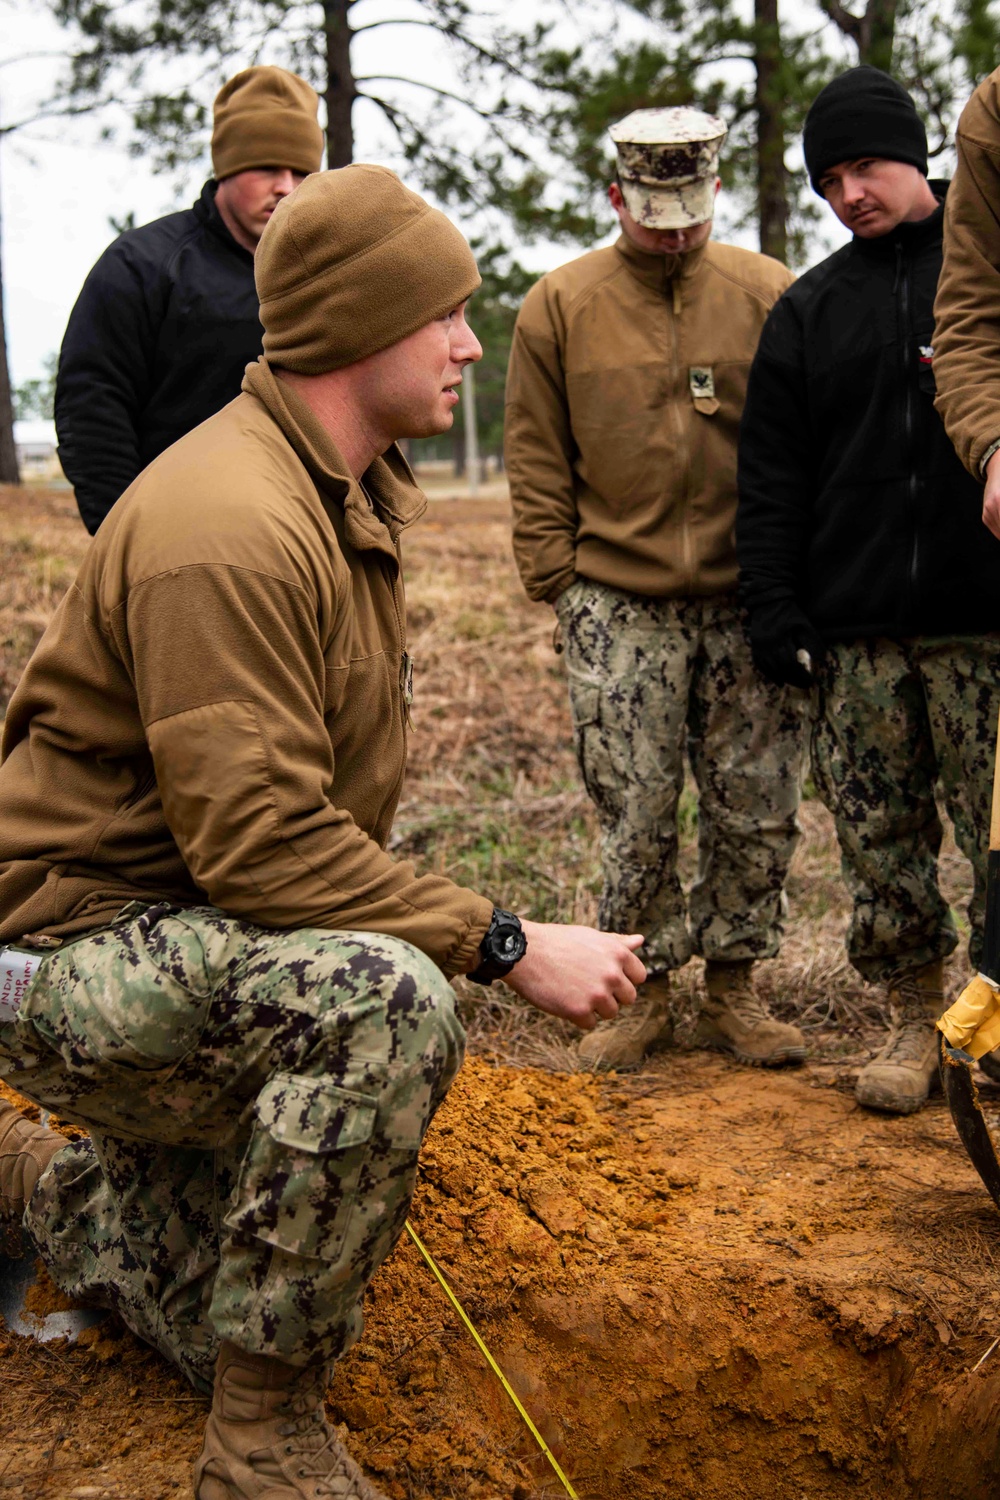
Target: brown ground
[{"x": 701, "y": 1280}]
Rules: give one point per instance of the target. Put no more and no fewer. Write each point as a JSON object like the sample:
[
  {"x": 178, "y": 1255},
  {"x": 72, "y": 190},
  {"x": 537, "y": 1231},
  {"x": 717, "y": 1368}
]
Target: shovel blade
[
  {"x": 963, "y": 1101},
  {"x": 18, "y": 1274}
]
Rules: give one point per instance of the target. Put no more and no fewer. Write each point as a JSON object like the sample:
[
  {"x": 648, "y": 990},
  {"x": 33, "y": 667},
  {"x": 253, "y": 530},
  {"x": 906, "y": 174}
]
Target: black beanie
[{"x": 862, "y": 112}]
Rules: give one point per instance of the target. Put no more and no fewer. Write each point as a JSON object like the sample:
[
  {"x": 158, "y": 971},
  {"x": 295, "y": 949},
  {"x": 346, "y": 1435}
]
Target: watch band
[
  {"x": 502, "y": 947},
  {"x": 993, "y": 448}
]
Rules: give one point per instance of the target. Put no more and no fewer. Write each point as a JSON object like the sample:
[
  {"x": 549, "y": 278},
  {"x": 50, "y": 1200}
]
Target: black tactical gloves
[{"x": 777, "y": 633}]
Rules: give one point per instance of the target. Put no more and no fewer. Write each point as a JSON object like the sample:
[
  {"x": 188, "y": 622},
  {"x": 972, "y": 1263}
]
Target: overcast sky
[{"x": 60, "y": 184}]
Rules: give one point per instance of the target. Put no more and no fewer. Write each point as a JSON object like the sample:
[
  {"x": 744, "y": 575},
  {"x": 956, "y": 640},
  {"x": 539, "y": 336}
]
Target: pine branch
[
  {"x": 846, "y": 20},
  {"x": 433, "y": 88},
  {"x": 22, "y": 57},
  {"x": 393, "y": 21},
  {"x": 53, "y": 112}
]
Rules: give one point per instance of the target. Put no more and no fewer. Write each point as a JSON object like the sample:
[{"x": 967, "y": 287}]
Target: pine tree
[
  {"x": 938, "y": 51},
  {"x": 745, "y": 60},
  {"x": 163, "y": 60},
  {"x": 158, "y": 63},
  {"x": 747, "y": 65}
]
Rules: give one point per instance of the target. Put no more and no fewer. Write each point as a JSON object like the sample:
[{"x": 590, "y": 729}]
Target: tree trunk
[
  {"x": 873, "y": 32},
  {"x": 878, "y": 26},
  {"x": 339, "y": 92},
  {"x": 772, "y": 195},
  {"x": 9, "y": 472}
]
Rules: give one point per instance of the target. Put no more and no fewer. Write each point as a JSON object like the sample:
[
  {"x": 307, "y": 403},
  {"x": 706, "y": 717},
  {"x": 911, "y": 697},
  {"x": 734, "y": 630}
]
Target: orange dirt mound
[{"x": 700, "y": 1280}]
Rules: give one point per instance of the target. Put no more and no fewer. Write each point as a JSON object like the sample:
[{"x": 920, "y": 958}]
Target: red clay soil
[{"x": 701, "y": 1281}]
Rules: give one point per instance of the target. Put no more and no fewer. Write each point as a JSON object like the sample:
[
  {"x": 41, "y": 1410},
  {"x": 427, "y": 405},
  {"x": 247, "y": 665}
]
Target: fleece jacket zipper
[{"x": 674, "y": 303}]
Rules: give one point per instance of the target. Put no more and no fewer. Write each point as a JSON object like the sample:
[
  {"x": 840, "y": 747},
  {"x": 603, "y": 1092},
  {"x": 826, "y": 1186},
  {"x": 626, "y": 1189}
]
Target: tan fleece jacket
[
  {"x": 967, "y": 306},
  {"x": 216, "y": 712},
  {"x": 627, "y": 378}
]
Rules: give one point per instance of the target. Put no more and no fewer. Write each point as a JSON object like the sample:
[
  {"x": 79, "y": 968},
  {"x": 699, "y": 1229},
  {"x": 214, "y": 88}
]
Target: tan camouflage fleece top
[
  {"x": 216, "y": 712},
  {"x": 626, "y": 385}
]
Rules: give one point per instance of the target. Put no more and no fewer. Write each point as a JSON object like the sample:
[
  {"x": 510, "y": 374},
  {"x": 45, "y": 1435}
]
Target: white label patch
[
  {"x": 17, "y": 970},
  {"x": 702, "y": 382}
]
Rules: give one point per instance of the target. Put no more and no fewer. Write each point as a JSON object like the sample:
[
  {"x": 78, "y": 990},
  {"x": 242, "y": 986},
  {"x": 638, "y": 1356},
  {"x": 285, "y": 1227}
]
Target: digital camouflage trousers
[
  {"x": 896, "y": 722},
  {"x": 256, "y": 1102},
  {"x": 648, "y": 677}
]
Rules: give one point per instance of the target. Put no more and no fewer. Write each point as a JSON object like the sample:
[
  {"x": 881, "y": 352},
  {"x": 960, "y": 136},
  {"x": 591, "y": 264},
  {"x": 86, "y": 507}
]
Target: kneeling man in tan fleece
[{"x": 214, "y": 965}]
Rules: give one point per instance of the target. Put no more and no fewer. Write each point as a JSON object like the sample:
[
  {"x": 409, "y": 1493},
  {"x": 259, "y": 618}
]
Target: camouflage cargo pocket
[
  {"x": 593, "y": 750},
  {"x": 300, "y": 1174}
]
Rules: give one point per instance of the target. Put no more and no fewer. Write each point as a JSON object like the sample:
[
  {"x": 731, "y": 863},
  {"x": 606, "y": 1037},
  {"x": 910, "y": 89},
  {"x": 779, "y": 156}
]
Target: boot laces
[
  {"x": 907, "y": 1041},
  {"x": 640, "y": 1016},
  {"x": 912, "y": 993},
  {"x": 318, "y": 1447},
  {"x": 917, "y": 1007},
  {"x": 750, "y": 1007},
  {"x": 744, "y": 1001}
]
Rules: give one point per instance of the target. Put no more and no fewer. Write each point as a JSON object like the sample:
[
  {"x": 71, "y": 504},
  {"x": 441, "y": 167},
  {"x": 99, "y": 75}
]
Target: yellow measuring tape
[{"x": 491, "y": 1361}]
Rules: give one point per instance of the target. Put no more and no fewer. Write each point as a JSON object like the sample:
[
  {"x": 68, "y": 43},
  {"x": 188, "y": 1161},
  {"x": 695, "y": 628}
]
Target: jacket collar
[
  {"x": 659, "y": 272},
  {"x": 376, "y": 509},
  {"x": 206, "y": 211},
  {"x": 909, "y": 239}
]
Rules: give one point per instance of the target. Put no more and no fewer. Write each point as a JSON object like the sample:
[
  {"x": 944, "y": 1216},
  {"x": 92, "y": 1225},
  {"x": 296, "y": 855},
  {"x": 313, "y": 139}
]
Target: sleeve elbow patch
[{"x": 218, "y": 798}]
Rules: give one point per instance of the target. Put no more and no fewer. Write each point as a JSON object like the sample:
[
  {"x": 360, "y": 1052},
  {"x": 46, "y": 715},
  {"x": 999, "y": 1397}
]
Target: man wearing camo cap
[{"x": 626, "y": 385}]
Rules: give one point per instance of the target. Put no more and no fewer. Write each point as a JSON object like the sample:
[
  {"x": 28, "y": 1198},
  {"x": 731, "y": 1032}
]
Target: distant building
[{"x": 35, "y": 441}]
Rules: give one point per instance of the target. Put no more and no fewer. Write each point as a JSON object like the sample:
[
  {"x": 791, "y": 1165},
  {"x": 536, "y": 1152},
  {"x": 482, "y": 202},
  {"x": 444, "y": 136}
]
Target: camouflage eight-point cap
[{"x": 668, "y": 160}]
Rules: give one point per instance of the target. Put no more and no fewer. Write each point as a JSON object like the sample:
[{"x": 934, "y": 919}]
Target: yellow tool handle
[
  {"x": 995, "y": 814},
  {"x": 990, "y": 962}
]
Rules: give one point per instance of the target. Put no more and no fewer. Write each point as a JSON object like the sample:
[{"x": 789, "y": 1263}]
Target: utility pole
[
  {"x": 9, "y": 471},
  {"x": 471, "y": 430}
]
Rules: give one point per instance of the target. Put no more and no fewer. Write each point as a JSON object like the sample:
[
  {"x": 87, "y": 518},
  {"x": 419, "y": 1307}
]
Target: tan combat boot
[
  {"x": 25, "y": 1152},
  {"x": 267, "y": 1436},
  {"x": 899, "y": 1079},
  {"x": 624, "y": 1042},
  {"x": 735, "y": 1019}
]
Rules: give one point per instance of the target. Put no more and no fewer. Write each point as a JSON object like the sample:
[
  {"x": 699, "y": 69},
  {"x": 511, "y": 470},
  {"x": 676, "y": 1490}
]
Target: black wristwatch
[{"x": 501, "y": 948}]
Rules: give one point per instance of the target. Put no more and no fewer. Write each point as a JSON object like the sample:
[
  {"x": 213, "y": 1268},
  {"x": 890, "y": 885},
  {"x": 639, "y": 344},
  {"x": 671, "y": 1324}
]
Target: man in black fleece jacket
[
  {"x": 167, "y": 320},
  {"x": 865, "y": 569}
]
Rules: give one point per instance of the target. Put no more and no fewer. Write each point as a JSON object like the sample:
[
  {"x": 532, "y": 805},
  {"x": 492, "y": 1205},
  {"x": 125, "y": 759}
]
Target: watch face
[{"x": 508, "y": 942}]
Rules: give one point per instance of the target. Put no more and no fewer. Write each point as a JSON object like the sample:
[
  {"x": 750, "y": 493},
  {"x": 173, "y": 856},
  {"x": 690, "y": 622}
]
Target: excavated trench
[{"x": 700, "y": 1280}]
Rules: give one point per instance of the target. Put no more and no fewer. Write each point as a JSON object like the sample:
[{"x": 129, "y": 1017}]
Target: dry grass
[
  {"x": 41, "y": 543},
  {"x": 492, "y": 795}
]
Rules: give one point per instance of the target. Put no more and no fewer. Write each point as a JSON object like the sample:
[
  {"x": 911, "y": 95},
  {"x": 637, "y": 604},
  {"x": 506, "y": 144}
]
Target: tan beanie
[
  {"x": 352, "y": 262},
  {"x": 266, "y": 117}
]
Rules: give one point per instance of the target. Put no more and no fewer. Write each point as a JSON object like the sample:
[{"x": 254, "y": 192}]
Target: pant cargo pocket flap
[
  {"x": 306, "y": 1114},
  {"x": 585, "y": 703}
]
